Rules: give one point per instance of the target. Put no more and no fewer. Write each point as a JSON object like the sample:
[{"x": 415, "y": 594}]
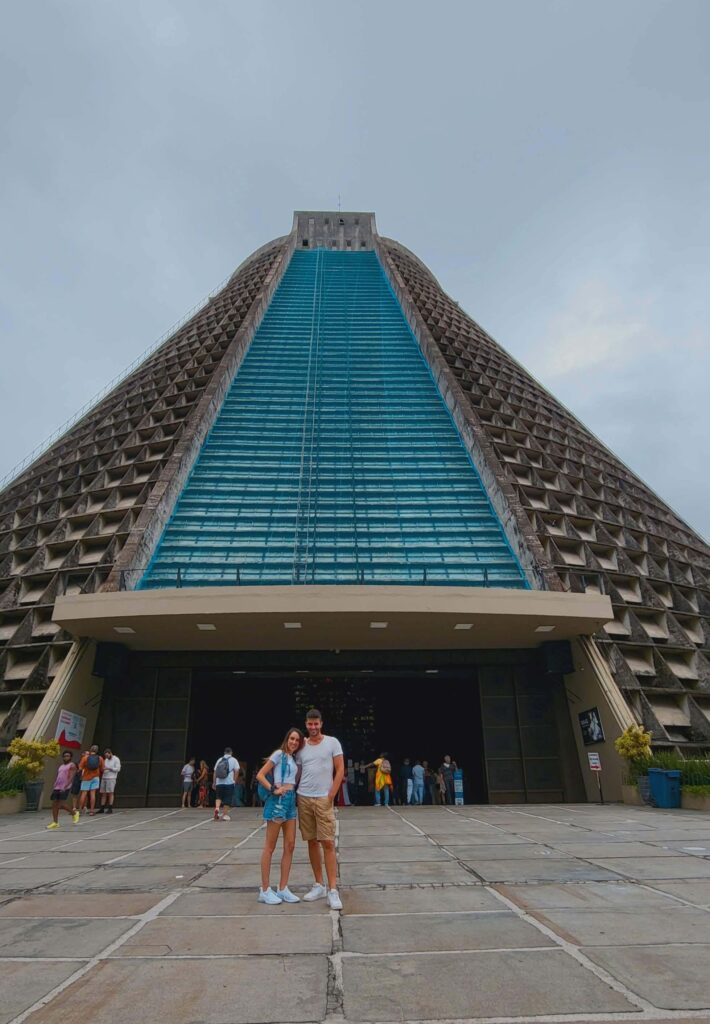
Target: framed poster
[
  {"x": 591, "y": 725},
  {"x": 70, "y": 730}
]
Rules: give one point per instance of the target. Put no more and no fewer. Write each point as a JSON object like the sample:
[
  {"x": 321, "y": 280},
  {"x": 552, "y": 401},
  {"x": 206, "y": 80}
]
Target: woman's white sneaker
[
  {"x": 334, "y": 900},
  {"x": 316, "y": 893},
  {"x": 287, "y": 896},
  {"x": 269, "y": 896}
]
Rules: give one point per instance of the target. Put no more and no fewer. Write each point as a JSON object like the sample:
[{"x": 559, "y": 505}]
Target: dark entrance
[
  {"x": 502, "y": 715},
  {"x": 405, "y": 714}
]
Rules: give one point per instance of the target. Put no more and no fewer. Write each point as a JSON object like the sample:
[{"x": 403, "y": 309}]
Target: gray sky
[{"x": 548, "y": 161}]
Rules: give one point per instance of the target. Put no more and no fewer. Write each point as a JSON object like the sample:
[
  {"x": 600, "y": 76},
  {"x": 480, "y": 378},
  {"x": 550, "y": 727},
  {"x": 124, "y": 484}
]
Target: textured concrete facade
[
  {"x": 86, "y": 515},
  {"x": 65, "y": 520},
  {"x": 599, "y": 526}
]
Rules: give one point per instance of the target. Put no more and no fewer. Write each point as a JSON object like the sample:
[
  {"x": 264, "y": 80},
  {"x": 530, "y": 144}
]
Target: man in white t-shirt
[
  {"x": 322, "y": 770},
  {"x": 224, "y": 778}
]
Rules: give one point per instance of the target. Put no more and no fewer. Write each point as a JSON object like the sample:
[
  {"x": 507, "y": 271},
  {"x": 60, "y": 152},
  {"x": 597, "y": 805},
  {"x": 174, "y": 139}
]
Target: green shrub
[
  {"x": 694, "y": 771},
  {"x": 12, "y": 779},
  {"x": 697, "y": 790}
]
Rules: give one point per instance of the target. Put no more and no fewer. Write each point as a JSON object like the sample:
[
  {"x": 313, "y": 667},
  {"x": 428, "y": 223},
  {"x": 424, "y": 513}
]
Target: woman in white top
[{"x": 278, "y": 778}]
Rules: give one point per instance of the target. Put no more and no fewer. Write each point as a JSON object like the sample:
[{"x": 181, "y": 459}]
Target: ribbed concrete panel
[
  {"x": 64, "y": 520},
  {"x": 600, "y": 526}
]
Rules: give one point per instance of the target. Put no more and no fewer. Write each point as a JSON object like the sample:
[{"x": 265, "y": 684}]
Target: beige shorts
[{"x": 316, "y": 818}]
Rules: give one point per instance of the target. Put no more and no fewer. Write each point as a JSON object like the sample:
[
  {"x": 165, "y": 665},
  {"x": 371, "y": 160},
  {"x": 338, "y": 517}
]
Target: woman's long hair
[{"x": 301, "y": 740}]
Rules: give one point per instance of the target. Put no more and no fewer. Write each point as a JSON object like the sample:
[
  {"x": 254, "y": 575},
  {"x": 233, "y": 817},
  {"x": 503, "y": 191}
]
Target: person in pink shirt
[{"x": 62, "y": 789}]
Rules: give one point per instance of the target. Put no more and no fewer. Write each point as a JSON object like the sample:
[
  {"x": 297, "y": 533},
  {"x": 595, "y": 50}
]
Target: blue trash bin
[{"x": 665, "y": 787}]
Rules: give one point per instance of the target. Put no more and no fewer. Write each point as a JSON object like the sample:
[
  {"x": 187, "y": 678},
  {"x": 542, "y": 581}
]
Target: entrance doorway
[{"x": 416, "y": 714}]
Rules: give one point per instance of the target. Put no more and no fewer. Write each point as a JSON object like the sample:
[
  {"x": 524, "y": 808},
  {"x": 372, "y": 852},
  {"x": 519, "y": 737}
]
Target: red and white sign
[
  {"x": 70, "y": 730},
  {"x": 595, "y": 763}
]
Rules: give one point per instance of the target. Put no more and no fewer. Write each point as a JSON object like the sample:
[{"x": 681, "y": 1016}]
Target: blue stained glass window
[{"x": 333, "y": 458}]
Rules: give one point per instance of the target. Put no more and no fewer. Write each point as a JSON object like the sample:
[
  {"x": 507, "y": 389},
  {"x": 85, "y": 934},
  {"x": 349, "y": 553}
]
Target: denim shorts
[{"x": 281, "y": 808}]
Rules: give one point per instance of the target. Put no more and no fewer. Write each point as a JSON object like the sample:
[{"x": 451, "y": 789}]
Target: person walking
[
  {"x": 187, "y": 775},
  {"x": 224, "y": 779},
  {"x": 107, "y": 785},
  {"x": 418, "y": 783},
  {"x": 322, "y": 770},
  {"x": 280, "y": 815},
  {"x": 447, "y": 770},
  {"x": 202, "y": 781},
  {"x": 92, "y": 766},
  {"x": 62, "y": 790},
  {"x": 383, "y": 779},
  {"x": 76, "y": 787}
]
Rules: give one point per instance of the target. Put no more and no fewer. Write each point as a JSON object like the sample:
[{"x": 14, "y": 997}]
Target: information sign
[
  {"x": 70, "y": 730},
  {"x": 458, "y": 787}
]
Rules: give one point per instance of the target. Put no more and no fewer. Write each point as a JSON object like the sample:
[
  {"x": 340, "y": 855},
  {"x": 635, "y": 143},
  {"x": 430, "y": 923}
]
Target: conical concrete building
[{"x": 331, "y": 486}]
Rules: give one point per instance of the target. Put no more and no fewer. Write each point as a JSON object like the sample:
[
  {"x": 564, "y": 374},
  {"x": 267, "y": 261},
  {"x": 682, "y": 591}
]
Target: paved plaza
[{"x": 474, "y": 913}]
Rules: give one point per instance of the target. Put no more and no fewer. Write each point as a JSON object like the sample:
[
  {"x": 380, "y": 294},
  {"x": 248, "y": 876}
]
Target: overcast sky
[{"x": 548, "y": 160}]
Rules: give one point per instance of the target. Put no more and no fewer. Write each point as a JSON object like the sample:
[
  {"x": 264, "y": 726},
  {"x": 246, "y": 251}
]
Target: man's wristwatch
[{"x": 273, "y": 789}]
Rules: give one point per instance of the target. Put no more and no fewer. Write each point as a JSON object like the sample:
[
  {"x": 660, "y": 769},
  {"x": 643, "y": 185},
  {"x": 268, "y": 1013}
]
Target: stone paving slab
[
  {"x": 418, "y": 872},
  {"x": 671, "y": 977},
  {"x": 165, "y": 854},
  {"x": 658, "y": 867},
  {"x": 240, "y": 876},
  {"x": 222, "y": 904},
  {"x": 60, "y": 937},
  {"x": 376, "y": 854},
  {"x": 540, "y": 869},
  {"x": 66, "y": 860},
  {"x": 13, "y": 878},
  {"x": 525, "y": 851},
  {"x": 635, "y": 926},
  {"x": 618, "y": 849},
  {"x": 417, "y": 933},
  {"x": 22, "y": 984},
  {"x": 427, "y": 899},
  {"x": 104, "y": 904},
  {"x": 356, "y": 841},
  {"x": 694, "y": 890},
  {"x": 466, "y": 838},
  {"x": 465, "y": 985},
  {"x": 590, "y": 895},
  {"x": 130, "y": 878},
  {"x": 239, "y": 990},
  {"x": 698, "y": 847},
  {"x": 171, "y": 936}
]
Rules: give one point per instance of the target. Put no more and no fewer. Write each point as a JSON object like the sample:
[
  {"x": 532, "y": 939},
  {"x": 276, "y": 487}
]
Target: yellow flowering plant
[
  {"x": 634, "y": 744},
  {"x": 30, "y": 755}
]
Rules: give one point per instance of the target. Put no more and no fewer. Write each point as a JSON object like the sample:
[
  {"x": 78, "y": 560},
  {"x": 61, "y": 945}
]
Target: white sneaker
[
  {"x": 334, "y": 901},
  {"x": 225, "y": 817},
  {"x": 269, "y": 896},
  {"x": 287, "y": 896},
  {"x": 316, "y": 893}
]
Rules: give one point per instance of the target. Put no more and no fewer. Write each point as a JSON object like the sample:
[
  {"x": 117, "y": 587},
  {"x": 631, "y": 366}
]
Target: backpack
[
  {"x": 93, "y": 763},
  {"x": 385, "y": 766},
  {"x": 222, "y": 769},
  {"x": 263, "y": 793}
]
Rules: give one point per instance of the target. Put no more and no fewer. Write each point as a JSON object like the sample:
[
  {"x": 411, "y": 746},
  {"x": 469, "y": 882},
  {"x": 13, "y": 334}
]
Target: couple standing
[{"x": 316, "y": 763}]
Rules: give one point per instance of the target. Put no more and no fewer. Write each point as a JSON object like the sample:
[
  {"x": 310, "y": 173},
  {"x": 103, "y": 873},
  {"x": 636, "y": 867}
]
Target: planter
[
  {"x": 695, "y": 801},
  {"x": 33, "y": 792},
  {"x": 631, "y": 795},
  {"x": 12, "y": 804}
]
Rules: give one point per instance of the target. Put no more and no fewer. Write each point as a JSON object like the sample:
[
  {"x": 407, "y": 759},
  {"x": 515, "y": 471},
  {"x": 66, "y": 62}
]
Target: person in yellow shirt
[{"x": 383, "y": 779}]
